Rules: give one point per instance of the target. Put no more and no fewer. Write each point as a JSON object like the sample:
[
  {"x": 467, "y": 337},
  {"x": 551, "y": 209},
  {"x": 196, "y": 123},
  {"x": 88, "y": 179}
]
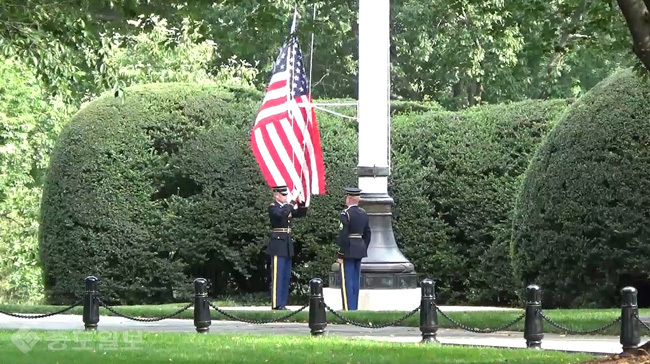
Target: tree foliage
[
  {"x": 28, "y": 124},
  {"x": 157, "y": 52},
  {"x": 459, "y": 53}
]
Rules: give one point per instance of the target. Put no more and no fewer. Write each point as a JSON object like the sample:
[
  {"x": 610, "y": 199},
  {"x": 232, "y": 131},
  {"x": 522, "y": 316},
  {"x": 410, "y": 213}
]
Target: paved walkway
[
  {"x": 594, "y": 344},
  {"x": 443, "y": 308}
]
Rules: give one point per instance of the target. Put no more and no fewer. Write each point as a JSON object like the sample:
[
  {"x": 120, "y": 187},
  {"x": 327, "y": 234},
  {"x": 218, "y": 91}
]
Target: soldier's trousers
[
  {"x": 350, "y": 273},
  {"x": 280, "y": 277}
]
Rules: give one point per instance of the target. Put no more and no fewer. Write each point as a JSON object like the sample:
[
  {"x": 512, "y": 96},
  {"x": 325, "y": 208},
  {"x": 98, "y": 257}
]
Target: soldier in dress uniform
[
  {"x": 280, "y": 246},
  {"x": 354, "y": 237}
]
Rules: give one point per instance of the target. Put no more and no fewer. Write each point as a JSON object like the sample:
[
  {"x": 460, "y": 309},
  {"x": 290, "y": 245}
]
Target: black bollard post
[
  {"x": 533, "y": 330},
  {"x": 202, "y": 320},
  {"x": 317, "y": 315},
  {"x": 630, "y": 335},
  {"x": 428, "y": 313},
  {"x": 91, "y": 304}
]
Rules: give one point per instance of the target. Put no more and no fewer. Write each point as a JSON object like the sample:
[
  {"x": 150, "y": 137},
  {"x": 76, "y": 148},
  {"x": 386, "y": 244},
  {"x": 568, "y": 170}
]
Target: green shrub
[
  {"x": 156, "y": 188},
  {"x": 455, "y": 180},
  {"x": 581, "y": 226},
  {"x": 159, "y": 186},
  {"x": 28, "y": 124}
]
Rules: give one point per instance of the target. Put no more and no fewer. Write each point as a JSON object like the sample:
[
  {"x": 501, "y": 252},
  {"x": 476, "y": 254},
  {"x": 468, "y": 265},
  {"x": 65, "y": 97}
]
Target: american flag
[{"x": 285, "y": 138}]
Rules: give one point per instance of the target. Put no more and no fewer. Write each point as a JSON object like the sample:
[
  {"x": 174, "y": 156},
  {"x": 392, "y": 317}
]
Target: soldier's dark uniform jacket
[
  {"x": 354, "y": 233},
  {"x": 280, "y": 242}
]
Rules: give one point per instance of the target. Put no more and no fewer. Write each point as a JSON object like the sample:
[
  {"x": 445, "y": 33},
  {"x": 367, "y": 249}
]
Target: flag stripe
[
  {"x": 279, "y": 91},
  {"x": 309, "y": 149},
  {"x": 268, "y": 160},
  {"x": 276, "y": 159},
  {"x": 284, "y": 157},
  {"x": 296, "y": 146},
  {"x": 271, "y": 112}
]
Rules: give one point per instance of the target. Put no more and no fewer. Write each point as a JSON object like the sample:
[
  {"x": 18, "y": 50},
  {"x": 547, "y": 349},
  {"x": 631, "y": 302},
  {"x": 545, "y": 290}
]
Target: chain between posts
[
  {"x": 152, "y": 319},
  {"x": 370, "y": 326},
  {"x": 572, "y": 331},
  {"x": 481, "y": 331},
  {"x": 43, "y": 315},
  {"x": 642, "y": 323},
  {"x": 258, "y": 322}
]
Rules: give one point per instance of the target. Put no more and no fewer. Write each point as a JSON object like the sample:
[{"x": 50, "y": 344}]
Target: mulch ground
[{"x": 641, "y": 357}]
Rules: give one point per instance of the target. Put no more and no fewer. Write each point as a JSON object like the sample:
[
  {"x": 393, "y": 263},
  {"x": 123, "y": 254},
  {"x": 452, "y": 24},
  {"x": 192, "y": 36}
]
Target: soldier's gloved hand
[{"x": 294, "y": 198}]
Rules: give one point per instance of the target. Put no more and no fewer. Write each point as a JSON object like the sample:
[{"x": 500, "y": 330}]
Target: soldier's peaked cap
[
  {"x": 283, "y": 190},
  {"x": 353, "y": 191}
]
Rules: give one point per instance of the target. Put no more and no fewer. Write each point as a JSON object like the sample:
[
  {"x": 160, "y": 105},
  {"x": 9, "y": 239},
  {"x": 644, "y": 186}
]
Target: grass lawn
[
  {"x": 585, "y": 319},
  {"x": 185, "y": 348}
]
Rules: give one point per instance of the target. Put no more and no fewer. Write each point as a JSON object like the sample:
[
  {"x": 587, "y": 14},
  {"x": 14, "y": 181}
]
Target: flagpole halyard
[
  {"x": 311, "y": 52},
  {"x": 292, "y": 32}
]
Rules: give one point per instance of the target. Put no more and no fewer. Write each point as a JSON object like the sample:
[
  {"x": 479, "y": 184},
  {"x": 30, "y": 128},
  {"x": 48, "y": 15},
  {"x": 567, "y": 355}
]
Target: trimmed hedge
[
  {"x": 582, "y": 225},
  {"x": 455, "y": 180},
  {"x": 152, "y": 190}
]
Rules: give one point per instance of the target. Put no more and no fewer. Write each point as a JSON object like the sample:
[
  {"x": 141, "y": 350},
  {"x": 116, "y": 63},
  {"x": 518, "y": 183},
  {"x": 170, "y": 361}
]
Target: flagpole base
[{"x": 377, "y": 280}]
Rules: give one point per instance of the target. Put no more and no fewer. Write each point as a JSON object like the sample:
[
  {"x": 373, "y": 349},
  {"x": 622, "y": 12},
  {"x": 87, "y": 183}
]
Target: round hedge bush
[
  {"x": 152, "y": 190},
  {"x": 581, "y": 227}
]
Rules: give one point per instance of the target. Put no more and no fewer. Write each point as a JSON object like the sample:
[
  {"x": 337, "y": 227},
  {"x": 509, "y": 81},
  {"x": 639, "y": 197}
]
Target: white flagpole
[
  {"x": 374, "y": 96},
  {"x": 292, "y": 31},
  {"x": 311, "y": 52}
]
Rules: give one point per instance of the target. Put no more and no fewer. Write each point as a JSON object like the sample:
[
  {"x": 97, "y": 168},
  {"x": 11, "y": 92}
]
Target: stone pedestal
[
  {"x": 377, "y": 299},
  {"x": 385, "y": 280}
]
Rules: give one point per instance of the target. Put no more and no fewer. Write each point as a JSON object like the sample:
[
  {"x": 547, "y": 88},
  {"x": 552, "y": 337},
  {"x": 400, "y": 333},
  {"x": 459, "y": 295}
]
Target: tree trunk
[
  {"x": 638, "y": 21},
  {"x": 475, "y": 86},
  {"x": 474, "y": 92},
  {"x": 457, "y": 88}
]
